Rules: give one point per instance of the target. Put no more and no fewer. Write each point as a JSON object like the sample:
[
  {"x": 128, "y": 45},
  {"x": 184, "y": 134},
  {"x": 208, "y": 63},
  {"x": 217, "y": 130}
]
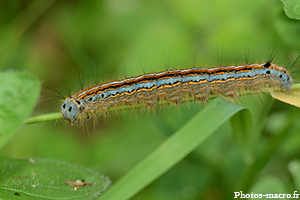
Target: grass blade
[{"x": 173, "y": 149}]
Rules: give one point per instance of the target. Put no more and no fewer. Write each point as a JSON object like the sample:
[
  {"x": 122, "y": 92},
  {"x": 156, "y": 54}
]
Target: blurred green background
[{"x": 67, "y": 42}]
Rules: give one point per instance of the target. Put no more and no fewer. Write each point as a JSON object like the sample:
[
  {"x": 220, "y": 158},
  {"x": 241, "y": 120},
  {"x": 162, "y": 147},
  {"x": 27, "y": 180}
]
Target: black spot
[
  {"x": 78, "y": 102},
  {"x": 73, "y": 117},
  {"x": 102, "y": 95},
  {"x": 91, "y": 99},
  {"x": 64, "y": 106},
  {"x": 249, "y": 76},
  {"x": 267, "y": 64},
  {"x": 288, "y": 79},
  {"x": 280, "y": 76},
  {"x": 268, "y": 72},
  {"x": 17, "y": 194},
  {"x": 70, "y": 109}
]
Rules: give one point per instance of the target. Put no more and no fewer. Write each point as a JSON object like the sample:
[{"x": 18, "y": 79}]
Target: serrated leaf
[
  {"x": 45, "y": 179},
  {"x": 292, "y": 8},
  {"x": 19, "y": 93}
]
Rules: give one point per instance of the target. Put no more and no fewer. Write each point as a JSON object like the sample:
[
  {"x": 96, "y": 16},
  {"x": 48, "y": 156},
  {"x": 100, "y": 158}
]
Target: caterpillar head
[{"x": 70, "y": 109}]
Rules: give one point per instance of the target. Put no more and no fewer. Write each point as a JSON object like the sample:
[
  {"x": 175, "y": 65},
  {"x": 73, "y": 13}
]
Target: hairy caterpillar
[{"x": 174, "y": 85}]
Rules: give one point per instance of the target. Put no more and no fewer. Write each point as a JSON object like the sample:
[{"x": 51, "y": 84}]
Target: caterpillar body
[{"x": 174, "y": 85}]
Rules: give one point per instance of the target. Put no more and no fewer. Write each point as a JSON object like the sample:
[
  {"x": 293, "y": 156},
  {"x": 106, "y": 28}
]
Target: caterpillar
[{"x": 175, "y": 85}]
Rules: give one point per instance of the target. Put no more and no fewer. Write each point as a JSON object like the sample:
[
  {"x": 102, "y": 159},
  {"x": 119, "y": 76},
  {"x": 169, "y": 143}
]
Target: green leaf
[
  {"x": 19, "y": 93},
  {"x": 45, "y": 179},
  {"x": 292, "y": 8},
  {"x": 180, "y": 144}
]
